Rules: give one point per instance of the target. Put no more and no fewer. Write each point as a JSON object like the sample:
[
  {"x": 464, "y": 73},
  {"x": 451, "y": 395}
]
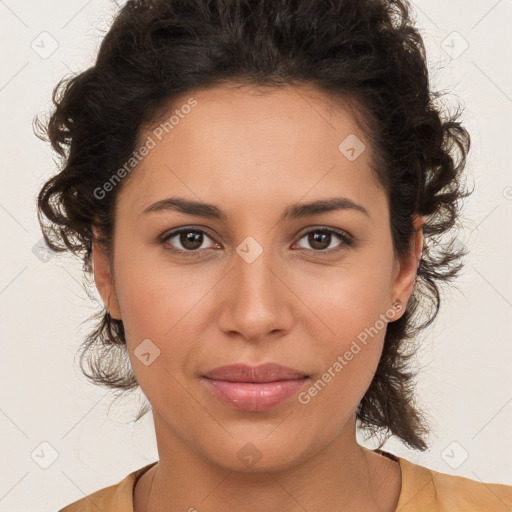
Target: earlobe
[{"x": 104, "y": 281}]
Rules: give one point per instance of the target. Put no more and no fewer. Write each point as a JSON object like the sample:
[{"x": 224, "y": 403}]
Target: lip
[
  {"x": 269, "y": 372},
  {"x": 254, "y": 388}
]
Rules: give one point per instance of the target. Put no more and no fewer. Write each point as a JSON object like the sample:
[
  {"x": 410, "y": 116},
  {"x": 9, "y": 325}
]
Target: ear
[
  {"x": 104, "y": 280},
  {"x": 405, "y": 268}
]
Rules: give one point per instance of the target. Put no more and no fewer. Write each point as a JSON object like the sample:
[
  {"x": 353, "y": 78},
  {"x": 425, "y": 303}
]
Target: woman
[{"x": 255, "y": 186}]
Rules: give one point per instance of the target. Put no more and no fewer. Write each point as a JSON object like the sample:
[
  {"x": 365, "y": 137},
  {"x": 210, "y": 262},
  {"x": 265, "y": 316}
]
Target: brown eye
[
  {"x": 188, "y": 240},
  {"x": 321, "y": 239}
]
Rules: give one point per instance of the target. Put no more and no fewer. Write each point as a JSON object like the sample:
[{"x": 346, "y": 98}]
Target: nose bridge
[
  {"x": 253, "y": 270},
  {"x": 256, "y": 298}
]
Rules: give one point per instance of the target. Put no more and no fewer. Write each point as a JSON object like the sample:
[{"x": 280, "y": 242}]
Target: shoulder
[
  {"x": 110, "y": 499},
  {"x": 424, "y": 489}
]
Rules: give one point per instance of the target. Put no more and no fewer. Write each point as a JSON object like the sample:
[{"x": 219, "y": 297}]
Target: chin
[{"x": 255, "y": 454}]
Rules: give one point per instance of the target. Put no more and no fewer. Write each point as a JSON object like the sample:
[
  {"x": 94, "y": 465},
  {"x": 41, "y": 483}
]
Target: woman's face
[{"x": 254, "y": 286}]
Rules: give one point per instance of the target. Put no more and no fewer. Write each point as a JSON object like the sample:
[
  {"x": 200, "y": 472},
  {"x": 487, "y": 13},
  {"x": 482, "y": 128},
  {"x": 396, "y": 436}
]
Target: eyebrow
[{"x": 293, "y": 211}]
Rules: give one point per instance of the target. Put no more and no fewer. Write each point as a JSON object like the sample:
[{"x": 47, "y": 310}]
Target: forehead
[
  {"x": 253, "y": 142},
  {"x": 238, "y": 111}
]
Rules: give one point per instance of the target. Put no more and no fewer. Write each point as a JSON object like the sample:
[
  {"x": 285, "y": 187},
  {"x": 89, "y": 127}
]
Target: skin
[{"x": 252, "y": 154}]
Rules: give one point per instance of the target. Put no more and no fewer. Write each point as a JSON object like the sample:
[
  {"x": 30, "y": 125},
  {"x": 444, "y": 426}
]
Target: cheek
[
  {"x": 160, "y": 308},
  {"x": 154, "y": 295},
  {"x": 347, "y": 321},
  {"x": 346, "y": 303}
]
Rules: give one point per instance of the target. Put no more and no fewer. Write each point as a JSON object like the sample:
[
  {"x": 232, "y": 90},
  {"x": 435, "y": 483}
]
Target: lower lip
[{"x": 253, "y": 396}]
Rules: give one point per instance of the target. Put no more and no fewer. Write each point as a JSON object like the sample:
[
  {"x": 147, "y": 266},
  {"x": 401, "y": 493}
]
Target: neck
[{"x": 343, "y": 476}]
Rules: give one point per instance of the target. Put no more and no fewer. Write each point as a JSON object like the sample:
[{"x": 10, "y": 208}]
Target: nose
[{"x": 257, "y": 302}]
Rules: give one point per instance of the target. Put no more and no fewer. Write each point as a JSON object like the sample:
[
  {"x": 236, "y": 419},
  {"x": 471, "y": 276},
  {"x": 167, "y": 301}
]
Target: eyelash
[{"x": 343, "y": 235}]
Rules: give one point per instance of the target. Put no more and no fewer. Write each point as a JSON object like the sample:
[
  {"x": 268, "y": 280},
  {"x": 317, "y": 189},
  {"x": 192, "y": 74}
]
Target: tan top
[{"x": 423, "y": 490}]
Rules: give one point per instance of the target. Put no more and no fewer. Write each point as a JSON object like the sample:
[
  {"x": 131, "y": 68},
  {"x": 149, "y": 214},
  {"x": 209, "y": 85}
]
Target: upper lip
[{"x": 269, "y": 372}]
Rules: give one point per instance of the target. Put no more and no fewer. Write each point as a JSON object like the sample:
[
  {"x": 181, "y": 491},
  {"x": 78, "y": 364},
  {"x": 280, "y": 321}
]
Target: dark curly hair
[{"x": 363, "y": 53}]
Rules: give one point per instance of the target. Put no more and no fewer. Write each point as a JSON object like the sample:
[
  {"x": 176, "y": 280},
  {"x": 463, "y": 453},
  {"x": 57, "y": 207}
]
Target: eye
[
  {"x": 190, "y": 239},
  {"x": 320, "y": 239}
]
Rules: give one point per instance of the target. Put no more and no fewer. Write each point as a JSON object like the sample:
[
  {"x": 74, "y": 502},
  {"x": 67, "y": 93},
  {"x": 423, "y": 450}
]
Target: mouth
[
  {"x": 265, "y": 373},
  {"x": 254, "y": 388}
]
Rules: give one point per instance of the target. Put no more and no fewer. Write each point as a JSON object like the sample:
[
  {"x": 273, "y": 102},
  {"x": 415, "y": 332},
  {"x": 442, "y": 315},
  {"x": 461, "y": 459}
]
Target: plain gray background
[{"x": 50, "y": 416}]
